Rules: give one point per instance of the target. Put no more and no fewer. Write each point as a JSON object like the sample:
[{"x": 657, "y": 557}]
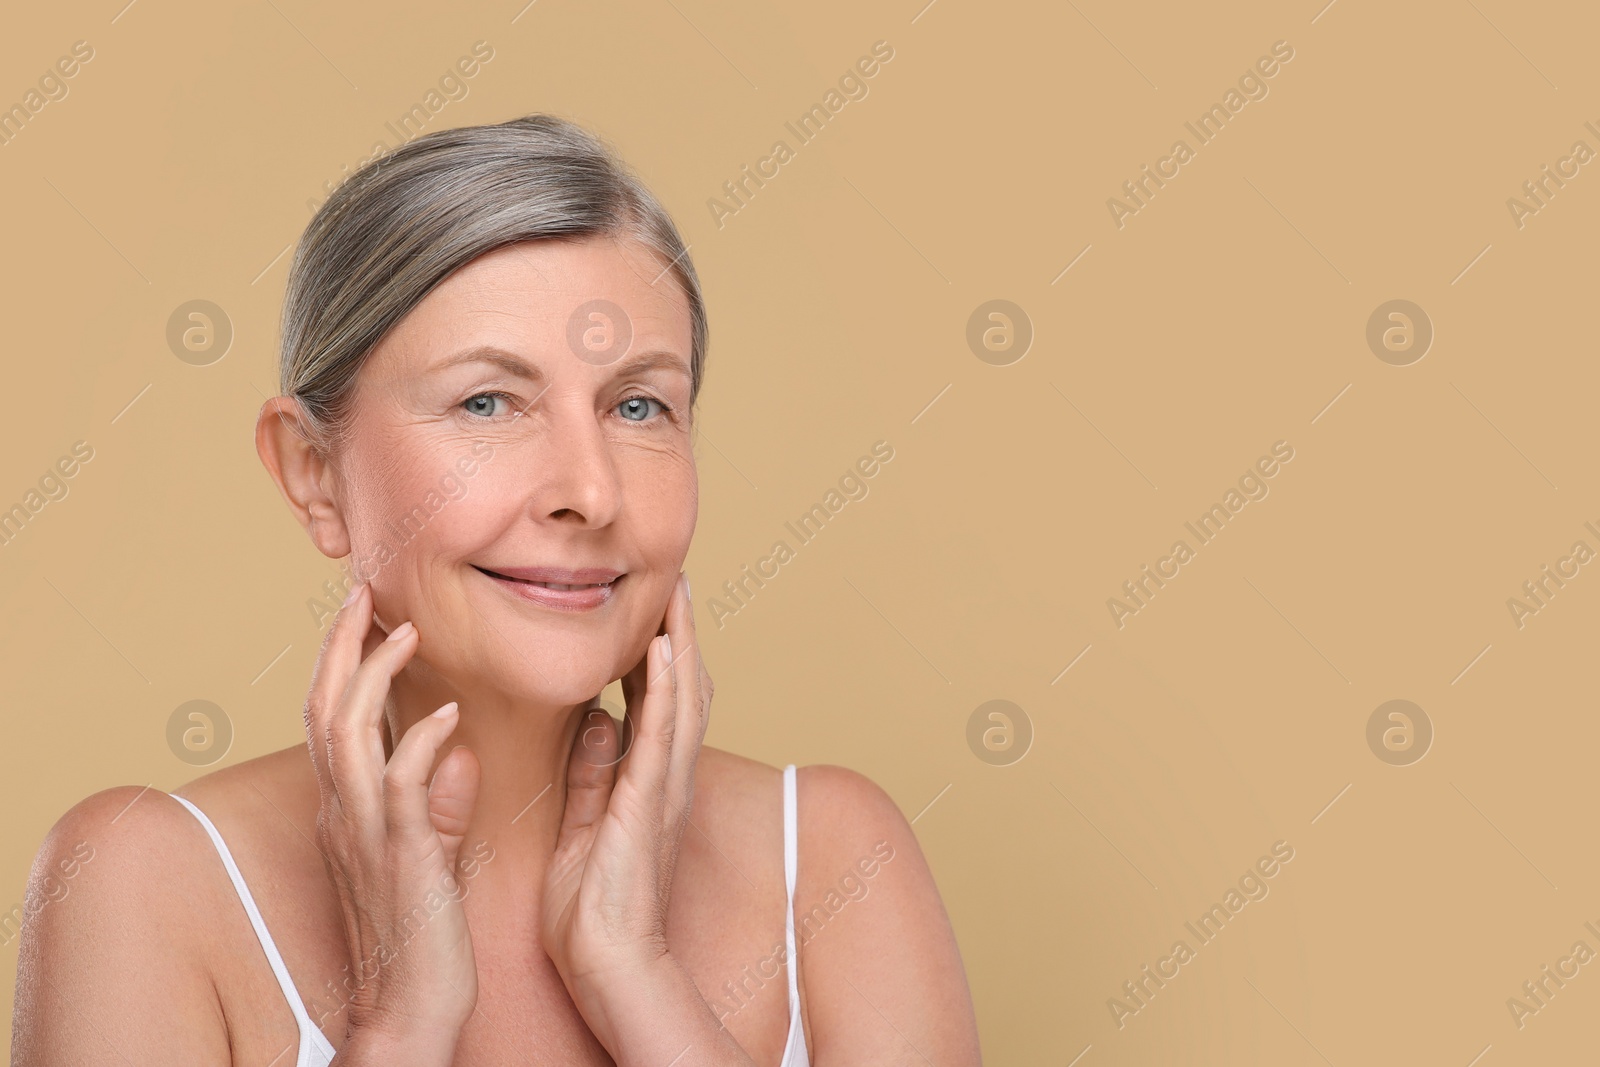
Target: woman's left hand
[{"x": 605, "y": 893}]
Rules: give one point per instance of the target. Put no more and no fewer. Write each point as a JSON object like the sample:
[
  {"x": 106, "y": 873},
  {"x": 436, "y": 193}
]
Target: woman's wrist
[{"x": 654, "y": 1014}]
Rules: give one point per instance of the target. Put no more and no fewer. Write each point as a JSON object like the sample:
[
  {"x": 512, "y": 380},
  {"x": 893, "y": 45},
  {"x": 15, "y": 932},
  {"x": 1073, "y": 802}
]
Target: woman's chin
[
  {"x": 561, "y": 688},
  {"x": 564, "y": 672}
]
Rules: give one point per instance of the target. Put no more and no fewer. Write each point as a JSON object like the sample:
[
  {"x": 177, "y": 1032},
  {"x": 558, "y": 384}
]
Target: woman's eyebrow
[
  {"x": 516, "y": 366},
  {"x": 653, "y": 360},
  {"x": 509, "y": 362}
]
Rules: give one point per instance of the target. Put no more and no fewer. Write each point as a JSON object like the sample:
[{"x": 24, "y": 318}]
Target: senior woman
[{"x": 471, "y": 862}]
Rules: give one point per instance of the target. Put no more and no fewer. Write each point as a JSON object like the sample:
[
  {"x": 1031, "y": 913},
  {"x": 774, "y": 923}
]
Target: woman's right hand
[{"x": 389, "y": 838}]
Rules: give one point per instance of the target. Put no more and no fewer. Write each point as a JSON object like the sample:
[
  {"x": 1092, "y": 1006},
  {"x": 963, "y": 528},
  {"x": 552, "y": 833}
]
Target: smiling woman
[{"x": 453, "y": 712}]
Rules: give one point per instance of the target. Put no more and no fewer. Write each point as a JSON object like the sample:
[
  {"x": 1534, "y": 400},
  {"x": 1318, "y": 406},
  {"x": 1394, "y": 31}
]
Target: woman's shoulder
[
  {"x": 242, "y": 798},
  {"x": 847, "y": 823},
  {"x": 827, "y": 795},
  {"x": 863, "y": 886},
  {"x": 724, "y": 775},
  {"x": 739, "y": 789},
  {"x": 839, "y": 812},
  {"x": 128, "y": 858},
  {"x": 136, "y": 840},
  {"x": 867, "y": 890},
  {"x": 122, "y": 907}
]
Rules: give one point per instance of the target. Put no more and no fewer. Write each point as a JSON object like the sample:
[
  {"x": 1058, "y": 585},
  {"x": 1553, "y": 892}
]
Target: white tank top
[{"x": 315, "y": 1049}]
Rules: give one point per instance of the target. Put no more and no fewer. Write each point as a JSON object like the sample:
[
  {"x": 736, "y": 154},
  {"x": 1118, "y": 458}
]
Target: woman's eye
[
  {"x": 636, "y": 408},
  {"x": 483, "y": 404}
]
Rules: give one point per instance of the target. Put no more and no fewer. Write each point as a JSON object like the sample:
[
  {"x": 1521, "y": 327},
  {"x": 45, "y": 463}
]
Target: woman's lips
[{"x": 564, "y": 590}]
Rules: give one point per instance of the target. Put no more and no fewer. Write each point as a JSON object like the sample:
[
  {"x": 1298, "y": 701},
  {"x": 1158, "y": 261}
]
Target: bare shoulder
[
  {"x": 881, "y": 972},
  {"x": 841, "y": 810},
  {"x": 109, "y": 933},
  {"x": 129, "y": 918},
  {"x": 722, "y": 777},
  {"x": 842, "y": 815},
  {"x": 855, "y": 842},
  {"x": 738, "y": 805},
  {"x": 121, "y": 849},
  {"x": 258, "y": 801}
]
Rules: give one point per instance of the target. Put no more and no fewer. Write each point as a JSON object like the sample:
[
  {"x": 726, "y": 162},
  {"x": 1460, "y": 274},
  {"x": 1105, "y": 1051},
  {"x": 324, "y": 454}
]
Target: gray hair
[{"x": 406, "y": 220}]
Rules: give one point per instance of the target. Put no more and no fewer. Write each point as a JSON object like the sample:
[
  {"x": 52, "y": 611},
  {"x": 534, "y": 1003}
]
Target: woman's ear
[{"x": 283, "y": 441}]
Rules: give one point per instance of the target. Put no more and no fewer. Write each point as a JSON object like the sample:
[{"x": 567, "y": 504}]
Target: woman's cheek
[{"x": 671, "y": 491}]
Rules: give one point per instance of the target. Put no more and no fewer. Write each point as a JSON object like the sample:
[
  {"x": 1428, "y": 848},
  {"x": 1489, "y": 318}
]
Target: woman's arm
[
  {"x": 880, "y": 972},
  {"x": 112, "y": 967}
]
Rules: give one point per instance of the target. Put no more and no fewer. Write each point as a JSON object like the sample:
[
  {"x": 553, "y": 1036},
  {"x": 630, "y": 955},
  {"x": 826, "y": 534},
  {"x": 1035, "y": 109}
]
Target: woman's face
[{"x": 529, "y": 418}]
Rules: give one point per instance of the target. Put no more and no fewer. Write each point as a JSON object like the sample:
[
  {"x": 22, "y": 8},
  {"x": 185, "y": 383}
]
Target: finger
[
  {"x": 633, "y": 683},
  {"x": 689, "y": 707},
  {"x": 452, "y": 795},
  {"x": 353, "y": 742},
  {"x": 708, "y": 688},
  {"x": 337, "y": 661},
  {"x": 707, "y": 693},
  {"x": 591, "y": 771},
  {"x": 654, "y": 720},
  {"x": 407, "y": 796}
]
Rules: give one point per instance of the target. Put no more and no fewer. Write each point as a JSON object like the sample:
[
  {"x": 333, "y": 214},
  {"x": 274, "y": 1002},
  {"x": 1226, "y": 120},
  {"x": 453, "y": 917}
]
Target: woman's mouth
[{"x": 563, "y": 589}]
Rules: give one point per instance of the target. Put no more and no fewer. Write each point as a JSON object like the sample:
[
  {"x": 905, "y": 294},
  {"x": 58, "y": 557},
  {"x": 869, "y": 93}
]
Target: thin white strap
[
  {"x": 791, "y": 852},
  {"x": 292, "y": 995}
]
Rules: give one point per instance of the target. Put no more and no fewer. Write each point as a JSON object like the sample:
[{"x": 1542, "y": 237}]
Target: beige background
[{"x": 1228, "y": 314}]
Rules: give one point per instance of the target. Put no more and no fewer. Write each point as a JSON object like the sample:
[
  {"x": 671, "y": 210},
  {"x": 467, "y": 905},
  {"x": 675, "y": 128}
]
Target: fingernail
[
  {"x": 445, "y": 711},
  {"x": 400, "y": 631},
  {"x": 666, "y": 645},
  {"x": 355, "y": 591},
  {"x": 687, "y": 595}
]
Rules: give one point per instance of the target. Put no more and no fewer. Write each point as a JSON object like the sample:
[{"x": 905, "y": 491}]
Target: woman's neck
[{"x": 523, "y": 750}]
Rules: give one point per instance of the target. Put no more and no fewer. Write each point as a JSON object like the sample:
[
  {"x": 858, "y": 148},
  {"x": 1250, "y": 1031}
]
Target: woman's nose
[{"x": 579, "y": 481}]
